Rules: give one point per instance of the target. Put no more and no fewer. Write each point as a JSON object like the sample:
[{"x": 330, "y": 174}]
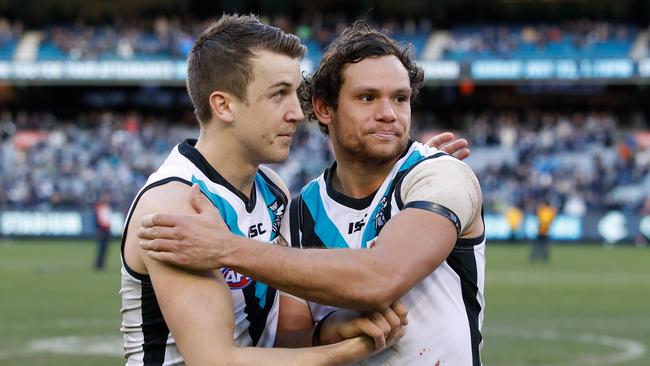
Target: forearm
[
  {"x": 336, "y": 354},
  {"x": 316, "y": 275}
]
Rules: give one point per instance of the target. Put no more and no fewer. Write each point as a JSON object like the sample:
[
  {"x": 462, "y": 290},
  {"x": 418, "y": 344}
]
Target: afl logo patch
[{"x": 236, "y": 281}]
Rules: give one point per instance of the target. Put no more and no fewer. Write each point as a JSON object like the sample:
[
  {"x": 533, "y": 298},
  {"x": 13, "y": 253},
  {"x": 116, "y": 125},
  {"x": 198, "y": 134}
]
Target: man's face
[
  {"x": 373, "y": 117},
  {"x": 266, "y": 122}
]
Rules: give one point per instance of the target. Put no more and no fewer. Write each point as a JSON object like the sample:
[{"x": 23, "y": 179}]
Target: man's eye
[{"x": 366, "y": 98}]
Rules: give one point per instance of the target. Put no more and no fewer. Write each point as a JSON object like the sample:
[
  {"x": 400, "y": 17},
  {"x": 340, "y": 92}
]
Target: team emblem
[
  {"x": 380, "y": 218},
  {"x": 277, "y": 207},
  {"x": 236, "y": 281}
]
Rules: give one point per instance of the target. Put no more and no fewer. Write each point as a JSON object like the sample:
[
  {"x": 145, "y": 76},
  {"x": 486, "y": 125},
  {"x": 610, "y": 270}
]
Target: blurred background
[{"x": 553, "y": 96}]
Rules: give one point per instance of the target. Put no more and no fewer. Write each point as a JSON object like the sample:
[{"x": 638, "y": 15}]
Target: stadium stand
[
  {"x": 49, "y": 162},
  {"x": 576, "y": 39},
  {"x": 10, "y": 33},
  {"x": 582, "y": 157}
]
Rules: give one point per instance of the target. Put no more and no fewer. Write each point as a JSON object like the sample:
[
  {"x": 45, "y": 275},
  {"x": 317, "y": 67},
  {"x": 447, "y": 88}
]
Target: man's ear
[
  {"x": 324, "y": 112},
  {"x": 221, "y": 106}
]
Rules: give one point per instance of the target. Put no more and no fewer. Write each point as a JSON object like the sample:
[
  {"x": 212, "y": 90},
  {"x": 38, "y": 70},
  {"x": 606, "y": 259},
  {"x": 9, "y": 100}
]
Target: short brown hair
[
  {"x": 221, "y": 57},
  {"x": 357, "y": 42}
]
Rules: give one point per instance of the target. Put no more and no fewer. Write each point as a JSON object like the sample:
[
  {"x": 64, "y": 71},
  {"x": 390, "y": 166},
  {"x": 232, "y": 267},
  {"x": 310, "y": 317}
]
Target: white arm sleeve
[{"x": 446, "y": 182}]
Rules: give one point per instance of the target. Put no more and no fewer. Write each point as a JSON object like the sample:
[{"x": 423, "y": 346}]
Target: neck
[
  {"x": 228, "y": 158},
  {"x": 356, "y": 178}
]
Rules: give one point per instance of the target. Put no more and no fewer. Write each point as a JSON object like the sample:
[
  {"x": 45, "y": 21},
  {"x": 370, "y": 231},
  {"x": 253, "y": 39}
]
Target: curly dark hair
[{"x": 356, "y": 42}]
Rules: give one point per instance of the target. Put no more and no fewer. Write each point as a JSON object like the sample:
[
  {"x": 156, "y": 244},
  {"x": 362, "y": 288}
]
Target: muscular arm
[
  {"x": 410, "y": 246},
  {"x": 296, "y": 324},
  {"x": 197, "y": 305}
]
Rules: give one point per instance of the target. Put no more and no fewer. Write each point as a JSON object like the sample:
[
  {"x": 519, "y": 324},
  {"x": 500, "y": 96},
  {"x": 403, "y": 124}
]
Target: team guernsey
[
  {"x": 446, "y": 307},
  {"x": 147, "y": 340}
]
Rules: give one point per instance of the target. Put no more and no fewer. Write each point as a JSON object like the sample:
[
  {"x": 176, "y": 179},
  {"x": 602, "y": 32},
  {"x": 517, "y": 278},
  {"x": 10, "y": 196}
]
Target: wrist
[{"x": 233, "y": 246}]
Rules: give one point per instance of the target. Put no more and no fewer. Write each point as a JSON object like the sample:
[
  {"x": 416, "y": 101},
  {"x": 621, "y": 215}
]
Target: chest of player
[
  {"x": 332, "y": 224},
  {"x": 258, "y": 217}
]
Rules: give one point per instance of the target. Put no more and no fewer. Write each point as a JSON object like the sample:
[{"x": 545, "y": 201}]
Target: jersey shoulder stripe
[{"x": 316, "y": 219}]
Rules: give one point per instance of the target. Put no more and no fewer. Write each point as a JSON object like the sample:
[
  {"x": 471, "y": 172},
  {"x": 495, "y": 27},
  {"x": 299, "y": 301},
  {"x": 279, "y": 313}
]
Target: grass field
[{"x": 589, "y": 306}]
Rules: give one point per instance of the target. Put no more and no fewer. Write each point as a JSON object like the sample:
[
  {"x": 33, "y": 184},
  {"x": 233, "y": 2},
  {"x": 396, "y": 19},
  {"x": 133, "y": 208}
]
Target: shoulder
[
  {"x": 171, "y": 197},
  {"x": 447, "y": 182},
  {"x": 273, "y": 178},
  {"x": 167, "y": 194},
  {"x": 440, "y": 166}
]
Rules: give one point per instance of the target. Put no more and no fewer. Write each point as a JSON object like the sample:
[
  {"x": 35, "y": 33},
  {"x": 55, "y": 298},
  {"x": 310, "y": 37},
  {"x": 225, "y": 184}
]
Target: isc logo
[
  {"x": 236, "y": 281},
  {"x": 353, "y": 227},
  {"x": 255, "y": 230}
]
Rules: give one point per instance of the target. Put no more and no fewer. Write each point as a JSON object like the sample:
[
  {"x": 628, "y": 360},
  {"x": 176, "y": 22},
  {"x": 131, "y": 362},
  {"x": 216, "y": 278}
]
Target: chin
[
  {"x": 276, "y": 157},
  {"x": 385, "y": 153}
]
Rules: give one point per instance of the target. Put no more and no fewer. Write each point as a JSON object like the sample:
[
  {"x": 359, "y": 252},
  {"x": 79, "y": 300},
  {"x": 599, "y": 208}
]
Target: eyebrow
[
  {"x": 283, "y": 83},
  {"x": 364, "y": 89}
]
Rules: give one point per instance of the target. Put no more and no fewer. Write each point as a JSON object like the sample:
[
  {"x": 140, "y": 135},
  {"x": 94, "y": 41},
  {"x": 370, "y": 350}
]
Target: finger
[
  {"x": 462, "y": 154},
  {"x": 199, "y": 201},
  {"x": 379, "y": 320},
  {"x": 374, "y": 332},
  {"x": 159, "y": 219},
  {"x": 440, "y": 139},
  {"x": 401, "y": 310},
  {"x": 157, "y": 232},
  {"x": 158, "y": 245},
  {"x": 395, "y": 337},
  {"x": 455, "y": 145},
  {"x": 393, "y": 320},
  {"x": 167, "y": 257}
]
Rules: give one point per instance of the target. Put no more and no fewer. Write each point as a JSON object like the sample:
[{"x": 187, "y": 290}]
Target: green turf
[{"x": 589, "y": 306}]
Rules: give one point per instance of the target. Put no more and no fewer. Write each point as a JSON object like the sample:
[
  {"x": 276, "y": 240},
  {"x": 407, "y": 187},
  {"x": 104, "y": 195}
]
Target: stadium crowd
[
  {"x": 579, "y": 160},
  {"x": 573, "y": 38},
  {"x": 172, "y": 37},
  {"x": 169, "y": 37}
]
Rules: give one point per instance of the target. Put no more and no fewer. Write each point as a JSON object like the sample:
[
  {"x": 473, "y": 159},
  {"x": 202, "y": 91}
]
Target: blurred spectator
[
  {"x": 571, "y": 38},
  {"x": 172, "y": 37},
  {"x": 103, "y": 224},
  {"x": 584, "y": 159},
  {"x": 545, "y": 215},
  {"x": 515, "y": 218}
]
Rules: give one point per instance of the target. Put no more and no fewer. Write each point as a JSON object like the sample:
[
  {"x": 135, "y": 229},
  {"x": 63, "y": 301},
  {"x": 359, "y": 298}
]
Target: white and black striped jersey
[
  {"x": 147, "y": 340},
  {"x": 446, "y": 307}
]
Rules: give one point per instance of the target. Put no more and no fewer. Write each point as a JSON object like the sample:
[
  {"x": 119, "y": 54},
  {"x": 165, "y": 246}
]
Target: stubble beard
[{"x": 360, "y": 151}]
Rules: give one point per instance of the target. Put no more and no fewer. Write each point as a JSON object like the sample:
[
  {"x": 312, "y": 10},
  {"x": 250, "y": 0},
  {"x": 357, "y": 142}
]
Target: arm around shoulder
[{"x": 198, "y": 309}]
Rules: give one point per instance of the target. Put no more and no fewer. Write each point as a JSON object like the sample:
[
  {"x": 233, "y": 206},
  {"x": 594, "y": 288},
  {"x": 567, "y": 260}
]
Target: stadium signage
[
  {"x": 41, "y": 223},
  {"x": 54, "y": 223},
  {"x": 598, "y": 226},
  {"x": 174, "y": 71},
  {"x": 93, "y": 70},
  {"x": 564, "y": 69}
]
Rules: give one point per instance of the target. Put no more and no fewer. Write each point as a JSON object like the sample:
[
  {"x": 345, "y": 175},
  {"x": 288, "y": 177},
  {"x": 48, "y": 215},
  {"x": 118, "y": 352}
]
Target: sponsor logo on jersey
[
  {"x": 353, "y": 227},
  {"x": 236, "y": 281},
  {"x": 255, "y": 230}
]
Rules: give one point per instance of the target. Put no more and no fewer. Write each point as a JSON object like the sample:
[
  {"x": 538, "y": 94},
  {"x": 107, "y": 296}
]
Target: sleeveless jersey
[
  {"x": 147, "y": 340},
  {"x": 445, "y": 308}
]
